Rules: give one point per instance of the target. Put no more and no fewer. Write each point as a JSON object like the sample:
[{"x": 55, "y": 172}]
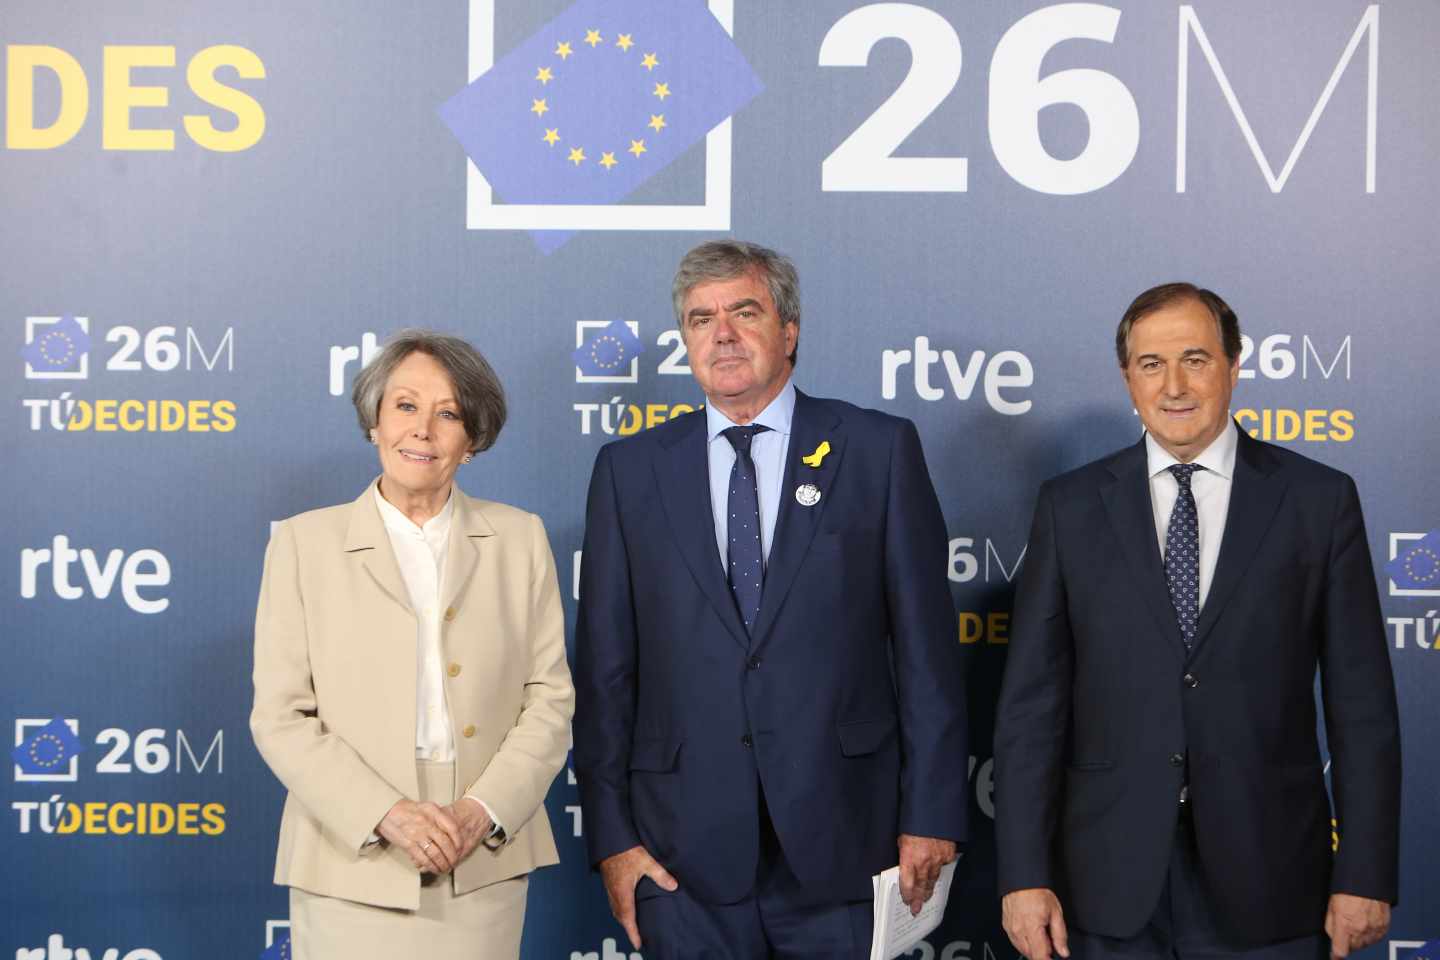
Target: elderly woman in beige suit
[{"x": 411, "y": 690}]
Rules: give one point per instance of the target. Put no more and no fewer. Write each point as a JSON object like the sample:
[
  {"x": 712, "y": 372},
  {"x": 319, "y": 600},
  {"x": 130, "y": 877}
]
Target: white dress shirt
[
  {"x": 1210, "y": 487},
  {"x": 420, "y": 554},
  {"x": 767, "y": 449}
]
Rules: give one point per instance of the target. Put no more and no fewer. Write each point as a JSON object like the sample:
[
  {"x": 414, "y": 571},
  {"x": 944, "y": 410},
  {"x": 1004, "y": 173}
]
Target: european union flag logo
[
  {"x": 606, "y": 354},
  {"x": 279, "y": 950},
  {"x": 48, "y": 751},
  {"x": 1417, "y": 564},
  {"x": 598, "y": 101},
  {"x": 56, "y": 348}
]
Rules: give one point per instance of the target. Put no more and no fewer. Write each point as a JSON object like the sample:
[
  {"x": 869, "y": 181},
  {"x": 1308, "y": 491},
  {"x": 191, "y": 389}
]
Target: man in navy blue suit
[
  {"x": 769, "y": 685},
  {"x": 1159, "y": 788}
]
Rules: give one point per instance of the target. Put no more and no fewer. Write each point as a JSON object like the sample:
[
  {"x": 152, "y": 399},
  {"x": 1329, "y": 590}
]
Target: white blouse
[{"x": 420, "y": 554}]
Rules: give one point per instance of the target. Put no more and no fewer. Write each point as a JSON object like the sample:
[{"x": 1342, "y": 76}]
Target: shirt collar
[
  {"x": 777, "y": 415},
  {"x": 1218, "y": 458},
  {"x": 436, "y": 527}
]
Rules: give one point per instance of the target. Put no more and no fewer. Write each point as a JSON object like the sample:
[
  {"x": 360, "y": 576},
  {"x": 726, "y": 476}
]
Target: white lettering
[
  {"x": 1006, "y": 370},
  {"x": 341, "y": 357},
  {"x": 1190, "y": 23},
  {"x": 143, "y": 568}
]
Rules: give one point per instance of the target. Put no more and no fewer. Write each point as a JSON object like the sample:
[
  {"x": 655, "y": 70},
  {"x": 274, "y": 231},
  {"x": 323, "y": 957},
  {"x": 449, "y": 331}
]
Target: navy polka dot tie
[
  {"x": 747, "y": 560},
  {"x": 1182, "y": 554}
]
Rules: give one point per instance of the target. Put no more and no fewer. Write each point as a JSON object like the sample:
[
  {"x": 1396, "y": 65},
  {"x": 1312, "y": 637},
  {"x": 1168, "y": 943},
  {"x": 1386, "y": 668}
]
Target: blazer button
[
  {"x": 753, "y": 663},
  {"x": 453, "y": 670},
  {"x": 1191, "y": 681},
  {"x": 469, "y": 730},
  {"x": 1177, "y": 760},
  {"x": 747, "y": 741},
  {"x": 449, "y": 613}
]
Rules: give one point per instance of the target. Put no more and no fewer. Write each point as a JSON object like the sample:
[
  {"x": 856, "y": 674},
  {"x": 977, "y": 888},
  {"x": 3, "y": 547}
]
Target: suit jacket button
[
  {"x": 747, "y": 741},
  {"x": 453, "y": 670},
  {"x": 1191, "y": 681},
  {"x": 753, "y": 663},
  {"x": 1177, "y": 760},
  {"x": 449, "y": 613},
  {"x": 469, "y": 730}
]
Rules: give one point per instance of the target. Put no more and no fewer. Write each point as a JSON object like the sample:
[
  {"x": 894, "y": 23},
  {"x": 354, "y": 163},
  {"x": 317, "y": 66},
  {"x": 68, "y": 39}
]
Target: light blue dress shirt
[{"x": 768, "y": 450}]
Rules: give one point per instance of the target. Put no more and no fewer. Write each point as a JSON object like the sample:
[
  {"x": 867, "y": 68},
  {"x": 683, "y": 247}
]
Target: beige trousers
[{"x": 482, "y": 925}]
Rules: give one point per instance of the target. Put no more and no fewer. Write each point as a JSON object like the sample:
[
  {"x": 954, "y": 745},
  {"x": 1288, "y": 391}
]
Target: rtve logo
[
  {"x": 122, "y": 94},
  {"x": 55, "y": 949},
  {"x": 139, "y": 571},
  {"x": 1008, "y": 370},
  {"x": 609, "y": 950}
]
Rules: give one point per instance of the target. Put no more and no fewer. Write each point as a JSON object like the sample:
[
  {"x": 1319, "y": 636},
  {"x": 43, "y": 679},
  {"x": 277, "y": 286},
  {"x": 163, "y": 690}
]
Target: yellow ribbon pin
[{"x": 813, "y": 460}]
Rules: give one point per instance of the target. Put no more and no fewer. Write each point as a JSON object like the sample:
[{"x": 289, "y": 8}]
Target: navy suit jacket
[
  {"x": 1101, "y": 710},
  {"x": 846, "y": 702}
]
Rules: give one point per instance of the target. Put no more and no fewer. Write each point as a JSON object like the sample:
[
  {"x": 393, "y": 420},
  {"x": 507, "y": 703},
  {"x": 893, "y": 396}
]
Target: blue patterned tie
[
  {"x": 747, "y": 560},
  {"x": 1182, "y": 554}
]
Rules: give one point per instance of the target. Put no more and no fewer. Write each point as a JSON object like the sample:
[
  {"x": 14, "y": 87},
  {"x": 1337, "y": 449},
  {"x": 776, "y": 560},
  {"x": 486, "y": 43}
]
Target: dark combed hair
[{"x": 1157, "y": 298}]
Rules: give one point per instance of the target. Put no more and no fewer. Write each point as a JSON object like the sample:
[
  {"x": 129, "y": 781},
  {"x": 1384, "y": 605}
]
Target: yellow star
[
  {"x": 662, "y": 90},
  {"x": 544, "y": 75},
  {"x": 592, "y": 37},
  {"x": 562, "y": 50},
  {"x": 577, "y": 155},
  {"x": 607, "y": 160},
  {"x": 649, "y": 63},
  {"x": 538, "y": 107},
  {"x": 625, "y": 43},
  {"x": 551, "y": 136},
  {"x": 657, "y": 122},
  {"x": 637, "y": 147}
]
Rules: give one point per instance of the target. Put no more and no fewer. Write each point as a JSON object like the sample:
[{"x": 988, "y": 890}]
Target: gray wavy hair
[
  {"x": 477, "y": 389},
  {"x": 727, "y": 259}
]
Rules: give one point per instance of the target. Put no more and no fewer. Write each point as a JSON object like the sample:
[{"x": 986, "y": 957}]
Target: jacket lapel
[
  {"x": 1255, "y": 494},
  {"x": 682, "y": 474},
  {"x": 796, "y": 525},
  {"x": 365, "y": 539},
  {"x": 468, "y": 530},
  {"x": 1127, "y": 502}
]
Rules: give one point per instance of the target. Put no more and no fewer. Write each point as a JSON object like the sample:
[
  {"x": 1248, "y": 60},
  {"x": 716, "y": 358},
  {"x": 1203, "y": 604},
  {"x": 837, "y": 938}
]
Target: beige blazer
[{"x": 334, "y": 712}]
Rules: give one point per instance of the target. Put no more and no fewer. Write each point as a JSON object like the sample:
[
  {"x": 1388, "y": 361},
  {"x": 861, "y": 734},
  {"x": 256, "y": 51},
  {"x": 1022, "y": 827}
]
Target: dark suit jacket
[
  {"x": 1101, "y": 709},
  {"x": 845, "y": 704}
]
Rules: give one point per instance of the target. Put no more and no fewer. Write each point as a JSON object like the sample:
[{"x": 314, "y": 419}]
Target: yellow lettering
[
  {"x": 127, "y": 423},
  {"x": 20, "y": 130},
  {"x": 172, "y": 415},
  {"x": 199, "y": 411},
  {"x": 249, "y": 115},
  {"x": 224, "y": 414},
  {"x": 1342, "y": 426},
  {"x": 114, "y": 820},
  {"x": 162, "y": 818},
  {"x": 972, "y": 628},
  {"x": 80, "y": 416},
  {"x": 1287, "y": 425},
  {"x": 120, "y": 98},
  {"x": 105, "y": 411},
  {"x": 214, "y": 815},
  {"x": 71, "y": 821}
]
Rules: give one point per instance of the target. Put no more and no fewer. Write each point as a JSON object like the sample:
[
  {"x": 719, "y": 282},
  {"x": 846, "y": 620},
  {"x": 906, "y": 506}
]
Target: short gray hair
[
  {"x": 728, "y": 259},
  {"x": 477, "y": 388}
]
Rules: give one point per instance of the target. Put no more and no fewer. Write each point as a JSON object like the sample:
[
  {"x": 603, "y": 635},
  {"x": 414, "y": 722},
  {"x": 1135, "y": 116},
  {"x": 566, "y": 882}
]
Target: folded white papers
[{"x": 896, "y": 931}]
